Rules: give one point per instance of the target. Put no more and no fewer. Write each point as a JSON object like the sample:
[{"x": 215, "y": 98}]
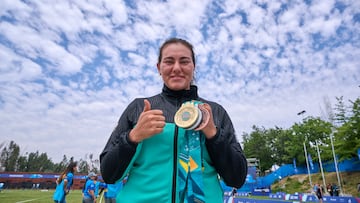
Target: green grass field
[
  {"x": 39, "y": 196},
  {"x": 36, "y": 196},
  {"x": 42, "y": 196}
]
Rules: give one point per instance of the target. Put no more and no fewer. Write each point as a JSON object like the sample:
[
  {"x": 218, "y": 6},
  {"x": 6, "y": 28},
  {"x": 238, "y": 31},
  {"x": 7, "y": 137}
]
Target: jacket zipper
[{"x": 173, "y": 192}]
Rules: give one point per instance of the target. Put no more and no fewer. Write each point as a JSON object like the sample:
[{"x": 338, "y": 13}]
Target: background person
[
  {"x": 167, "y": 163},
  {"x": 329, "y": 189},
  {"x": 84, "y": 185},
  {"x": 318, "y": 192},
  {"x": 233, "y": 192},
  {"x": 1, "y": 186},
  {"x": 335, "y": 189},
  {"x": 99, "y": 187},
  {"x": 112, "y": 190},
  {"x": 64, "y": 183},
  {"x": 89, "y": 195}
]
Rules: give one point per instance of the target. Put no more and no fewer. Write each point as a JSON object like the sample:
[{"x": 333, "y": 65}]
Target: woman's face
[{"x": 176, "y": 66}]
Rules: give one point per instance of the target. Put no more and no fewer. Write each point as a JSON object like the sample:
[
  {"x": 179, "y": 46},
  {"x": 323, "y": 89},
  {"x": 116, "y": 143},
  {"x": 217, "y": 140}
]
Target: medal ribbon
[{"x": 191, "y": 166}]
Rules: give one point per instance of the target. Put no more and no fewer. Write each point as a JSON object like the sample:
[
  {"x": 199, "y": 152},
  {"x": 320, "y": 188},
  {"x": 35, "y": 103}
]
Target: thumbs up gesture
[{"x": 151, "y": 122}]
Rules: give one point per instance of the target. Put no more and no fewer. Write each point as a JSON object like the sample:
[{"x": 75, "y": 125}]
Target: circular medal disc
[
  {"x": 186, "y": 116},
  {"x": 205, "y": 117},
  {"x": 198, "y": 120}
]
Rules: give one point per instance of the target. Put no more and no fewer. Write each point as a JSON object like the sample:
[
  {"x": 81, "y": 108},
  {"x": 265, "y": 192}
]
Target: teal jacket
[{"x": 151, "y": 165}]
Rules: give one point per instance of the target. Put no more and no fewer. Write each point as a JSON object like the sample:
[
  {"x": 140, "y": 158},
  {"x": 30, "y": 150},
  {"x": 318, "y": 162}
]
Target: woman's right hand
[{"x": 151, "y": 122}]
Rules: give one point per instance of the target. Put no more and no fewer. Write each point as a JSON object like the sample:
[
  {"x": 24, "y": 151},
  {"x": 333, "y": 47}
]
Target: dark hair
[
  {"x": 69, "y": 168},
  {"x": 174, "y": 41}
]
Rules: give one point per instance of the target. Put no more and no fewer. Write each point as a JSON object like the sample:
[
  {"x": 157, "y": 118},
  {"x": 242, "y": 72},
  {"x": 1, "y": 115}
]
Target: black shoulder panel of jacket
[{"x": 224, "y": 149}]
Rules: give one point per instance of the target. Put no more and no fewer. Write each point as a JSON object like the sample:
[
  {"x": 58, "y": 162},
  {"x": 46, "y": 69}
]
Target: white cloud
[
  {"x": 117, "y": 10},
  {"x": 25, "y": 69},
  {"x": 68, "y": 69}
]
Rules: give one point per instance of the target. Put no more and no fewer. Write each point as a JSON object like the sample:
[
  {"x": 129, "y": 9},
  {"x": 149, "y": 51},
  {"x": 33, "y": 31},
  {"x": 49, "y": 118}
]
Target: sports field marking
[{"x": 29, "y": 200}]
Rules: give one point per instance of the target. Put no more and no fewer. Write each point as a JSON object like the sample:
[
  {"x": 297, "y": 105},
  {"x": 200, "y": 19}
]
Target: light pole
[
  {"x": 335, "y": 160},
  {"x": 307, "y": 165},
  {"x": 322, "y": 171},
  {"x": 305, "y": 151}
]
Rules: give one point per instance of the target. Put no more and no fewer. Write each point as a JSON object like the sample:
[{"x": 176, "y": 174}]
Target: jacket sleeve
[
  {"x": 225, "y": 151},
  {"x": 119, "y": 150}
]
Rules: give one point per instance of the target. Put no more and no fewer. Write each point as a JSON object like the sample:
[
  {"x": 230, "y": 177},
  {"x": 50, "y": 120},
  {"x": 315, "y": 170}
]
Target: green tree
[
  {"x": 294, "y": 144},
  {"x": 278, "y": 140},
  {"x": 32, "y": 163},
  {"x": 21, "y": 164},
  {"x": 83, "y": 166},
  {"x": 256, "y": 145},
  {"x": 347, "y": 136},
  {"x": 340, "y": 116},
  {"x": 9, "y": 156},
  {"x": 38, "y": 162},
  {"x": 47, "y": 165},
  {"x": 310, "y": 131},
  {"x": 61, "y": 166}
]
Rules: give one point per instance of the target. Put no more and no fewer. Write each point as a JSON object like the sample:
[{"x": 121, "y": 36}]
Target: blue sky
[{"x": 69, "y": 68}]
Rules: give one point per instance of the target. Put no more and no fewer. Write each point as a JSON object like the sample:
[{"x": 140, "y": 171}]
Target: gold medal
[{"x": 187, "y": 115}]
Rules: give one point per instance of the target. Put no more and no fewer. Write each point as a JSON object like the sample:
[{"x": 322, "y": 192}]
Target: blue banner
[
  {"x": 293, "y": 198},
  {"x": 359, "y": 153},
  {"x": 311, "y": 162},
  {"x": 35, "y": 175},
  {"x": 294, "y": 162}
]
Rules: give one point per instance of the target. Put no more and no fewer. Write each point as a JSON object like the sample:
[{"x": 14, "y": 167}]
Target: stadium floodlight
[{"x": 301, "y": 112}]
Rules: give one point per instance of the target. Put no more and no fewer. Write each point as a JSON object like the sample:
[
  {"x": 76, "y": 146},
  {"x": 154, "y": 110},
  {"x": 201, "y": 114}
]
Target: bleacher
[
  {"x": 254, "y": 181},
  {"x": 17, "y": 180},
  {"x": 260, "y": 186}
]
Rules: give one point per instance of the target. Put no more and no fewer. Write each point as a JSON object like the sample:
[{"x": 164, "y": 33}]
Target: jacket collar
[{"x": 191, "y": 94}]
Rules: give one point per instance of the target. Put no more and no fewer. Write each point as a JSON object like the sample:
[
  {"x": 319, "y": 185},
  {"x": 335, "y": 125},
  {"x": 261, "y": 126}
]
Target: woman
[
  {"x": 64, "y": 183},
  {"x": 167, "y": 163}
]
